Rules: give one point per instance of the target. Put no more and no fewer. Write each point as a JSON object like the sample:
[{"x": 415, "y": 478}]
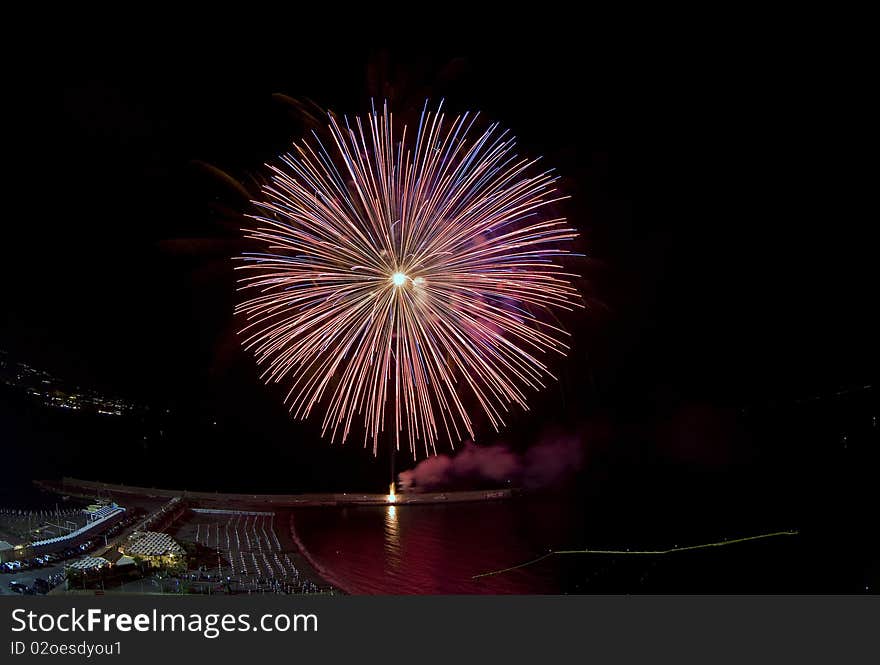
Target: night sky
[{"x": 726, "y": 264}]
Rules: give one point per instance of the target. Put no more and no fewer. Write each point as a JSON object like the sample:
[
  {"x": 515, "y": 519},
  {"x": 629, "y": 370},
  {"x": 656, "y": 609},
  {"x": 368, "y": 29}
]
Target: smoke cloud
[{"x": 546, "y": 464}]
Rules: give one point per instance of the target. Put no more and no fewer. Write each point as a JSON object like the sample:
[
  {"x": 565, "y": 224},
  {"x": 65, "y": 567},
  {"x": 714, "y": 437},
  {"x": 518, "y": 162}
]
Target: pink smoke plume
[{"x": 547, "y": 464}]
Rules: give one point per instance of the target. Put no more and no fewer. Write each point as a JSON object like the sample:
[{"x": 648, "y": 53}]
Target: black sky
[{"x": 725, "y": 265}]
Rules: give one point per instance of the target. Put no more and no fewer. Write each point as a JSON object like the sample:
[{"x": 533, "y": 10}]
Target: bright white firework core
[{"x": 335, "y": 312}]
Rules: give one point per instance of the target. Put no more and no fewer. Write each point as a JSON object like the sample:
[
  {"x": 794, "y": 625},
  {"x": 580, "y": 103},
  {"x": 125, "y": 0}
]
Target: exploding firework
[{"x": 405, "y": 279}]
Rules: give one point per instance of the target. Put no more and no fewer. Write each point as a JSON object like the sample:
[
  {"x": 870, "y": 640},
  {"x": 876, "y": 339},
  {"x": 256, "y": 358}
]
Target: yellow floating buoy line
[{"x": 720, "y": 543}]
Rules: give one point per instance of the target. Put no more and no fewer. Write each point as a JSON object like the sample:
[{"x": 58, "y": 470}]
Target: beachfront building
[
  {"x": 88, "y": 563},
  {"x": 156, "y": 548}
]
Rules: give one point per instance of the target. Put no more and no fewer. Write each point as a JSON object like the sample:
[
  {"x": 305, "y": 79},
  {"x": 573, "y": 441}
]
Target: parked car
[{"x": 18, "y": 587}]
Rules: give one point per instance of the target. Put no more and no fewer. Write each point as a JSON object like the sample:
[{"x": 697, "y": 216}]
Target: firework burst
[{"x": 405, "y": 277}]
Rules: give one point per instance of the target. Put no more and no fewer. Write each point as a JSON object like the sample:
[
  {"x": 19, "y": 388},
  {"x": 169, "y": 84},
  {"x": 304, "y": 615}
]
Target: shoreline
[
  {"x": 284, "y": 506},
  {"x": 286, "y": 530},
  {"x": 321, "y": 571}
]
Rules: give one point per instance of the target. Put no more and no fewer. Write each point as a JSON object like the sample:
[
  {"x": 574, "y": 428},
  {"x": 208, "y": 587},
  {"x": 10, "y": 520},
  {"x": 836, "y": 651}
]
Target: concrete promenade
[{"x": 90, "y": 489}]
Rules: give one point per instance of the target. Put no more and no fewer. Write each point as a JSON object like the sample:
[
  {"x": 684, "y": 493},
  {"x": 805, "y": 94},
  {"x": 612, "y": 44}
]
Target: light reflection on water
[
  {"x": 435, "y": 549},
  {"x": 392, "y": 539}
]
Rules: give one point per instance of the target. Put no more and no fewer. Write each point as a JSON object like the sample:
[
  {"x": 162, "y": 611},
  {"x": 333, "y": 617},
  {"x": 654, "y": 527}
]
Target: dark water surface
[{"x": 436, "y": 549}]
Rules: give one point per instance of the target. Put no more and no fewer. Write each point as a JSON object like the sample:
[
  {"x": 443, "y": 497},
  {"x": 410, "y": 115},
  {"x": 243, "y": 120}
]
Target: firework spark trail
[{"x": 406, "y": 274}]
